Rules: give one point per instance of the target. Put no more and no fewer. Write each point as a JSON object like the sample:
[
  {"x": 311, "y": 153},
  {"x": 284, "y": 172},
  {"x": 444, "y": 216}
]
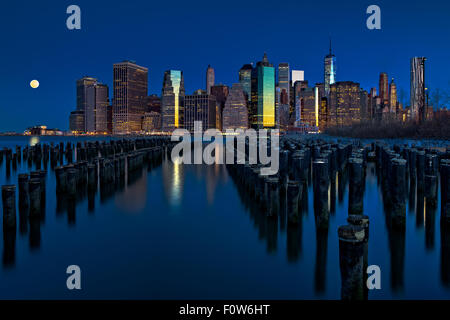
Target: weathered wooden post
[
  {"x": 445, "y": 189},
  {"x": 320, "y": 185},
  {"x": 351, "y": 261},
  {"x": 34, "y": 186},
  {"x": 9, "y": 206},
  {"x": 293, "y": 192},
  {"x": 71, "y": 181},
  {"x": 24, "y": 197},
  {"x": 272, "y": 196},
  {"x": 356, "y": 187},
  {"x": 398, "y": 192}
]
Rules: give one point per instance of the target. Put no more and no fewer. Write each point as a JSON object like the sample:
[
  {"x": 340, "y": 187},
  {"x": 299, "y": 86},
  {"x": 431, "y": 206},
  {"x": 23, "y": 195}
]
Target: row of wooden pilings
[
  {"x": 122, "y": 159},
  {"x": 397, "y": 165}
]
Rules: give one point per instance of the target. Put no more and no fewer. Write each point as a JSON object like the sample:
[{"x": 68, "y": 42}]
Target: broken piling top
[
  {"x": 8, "y": 188},
  {"x": 351, "y": 233},
  {"x": 358, "y": 220}
]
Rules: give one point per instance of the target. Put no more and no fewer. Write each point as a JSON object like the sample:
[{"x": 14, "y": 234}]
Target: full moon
[{"x": 34, "y": 84}]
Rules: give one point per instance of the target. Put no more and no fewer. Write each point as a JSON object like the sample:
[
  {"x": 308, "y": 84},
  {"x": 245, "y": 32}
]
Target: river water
[{"x": 188, "y": 232}]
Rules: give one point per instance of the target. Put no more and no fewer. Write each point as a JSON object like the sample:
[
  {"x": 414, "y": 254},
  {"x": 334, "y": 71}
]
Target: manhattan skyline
[{"x": 57, "y": 57}]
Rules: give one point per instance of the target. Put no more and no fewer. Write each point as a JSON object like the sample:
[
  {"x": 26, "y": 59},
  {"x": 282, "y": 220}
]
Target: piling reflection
[{"x": 105, "y": 173}]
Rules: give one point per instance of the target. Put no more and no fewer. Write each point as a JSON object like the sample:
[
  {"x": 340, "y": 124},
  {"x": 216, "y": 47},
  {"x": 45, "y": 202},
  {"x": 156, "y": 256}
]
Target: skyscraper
[
  {"x": 130, "y": 91},
  {"x": 86, "y": 102},
  {"x": 296, "y": 75},
  {"x": 220, "y": 92},
  {"x": 307, "y": 101},
  {"x": 172, "y": 100},
  {"x": 330, "y": 71},
  {"x": 101, "y": 94},
  {"x": 209, "y": 79},
  {"x": 199, "y": 107},
  {"x": 245, "y": 79},
  {"x": 298, "y": 87},
  {"x": 392, "y": 97},
  {"x": 418, "y": 109},
  {"x": 384, "y": 89},
  {"x": 235, "y": 113},
  {"x": 92, "y": 100},
  {"x": 283, "y": 96},
  {"x": 284, "y": 79},
  {"x": 263, "y": 95}
]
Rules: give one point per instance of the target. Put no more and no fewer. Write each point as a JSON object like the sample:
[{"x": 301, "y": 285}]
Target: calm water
[{"x": 187, "y": 232}]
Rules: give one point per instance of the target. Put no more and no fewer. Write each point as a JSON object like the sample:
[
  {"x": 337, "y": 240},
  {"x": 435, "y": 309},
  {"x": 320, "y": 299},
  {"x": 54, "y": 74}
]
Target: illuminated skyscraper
[
  {"x": 76, "y": 121},
  {"x": 209, "y": 79},
  {"x": 418, "y": 110},
  {"x": 102, "y": 107},
  {"x": 344, "y": 103},
  {"x": 284, "y": 79},
  {"x": 330, "y": 71},
  {"x": 263, "y": 95},
  {"x": 308, "y": 106},
  {"x": 235, "y": 113},
  {"x": 283, "y": 95},
  {"x": 199, "y": 107},
  {"x": 130, "y": 91},
  {"x": 172, "y": 100},
  {"x": 392, "y": 97},
  {"x": 323, "y": 114},
  {"x": 384, "y": 89},
  {"x": 245, "y": 79}
]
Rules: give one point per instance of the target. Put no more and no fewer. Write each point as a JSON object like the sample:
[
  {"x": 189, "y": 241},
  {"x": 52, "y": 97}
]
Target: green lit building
[{"x": 263, "y": 95}]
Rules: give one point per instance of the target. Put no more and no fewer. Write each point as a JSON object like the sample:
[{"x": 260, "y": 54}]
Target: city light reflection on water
[{"x": 219, "y": 244}]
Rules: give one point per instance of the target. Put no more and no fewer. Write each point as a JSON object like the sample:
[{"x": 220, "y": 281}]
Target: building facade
[
  {"x": 86, "y": 102},
  {"x": 235, "y": 112},
  {"x": 220, "y": 92},
  {"x": 102, "y": 105},
  {"x": 383, "y": 87},
  {"x": 417, "y": 99},
  {"x": 199, "y": 107},
  {"x": 76, "y": 121},
  {"x": 263, "y": 95},
  {"x": 393, "y": 105},
  {"x": 344, "y": 103},
  {"x": 151, "y": 121},
  {"x": 245, "y": 79},
  {"x": 210, "y": 78},
  {"x": 172, "y": 100},
  {"x": 130, "y": 91}
]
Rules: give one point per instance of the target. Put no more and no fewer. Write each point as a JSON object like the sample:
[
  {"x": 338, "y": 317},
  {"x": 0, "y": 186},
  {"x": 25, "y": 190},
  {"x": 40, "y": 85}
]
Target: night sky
[{"x": 189, "y": 35}]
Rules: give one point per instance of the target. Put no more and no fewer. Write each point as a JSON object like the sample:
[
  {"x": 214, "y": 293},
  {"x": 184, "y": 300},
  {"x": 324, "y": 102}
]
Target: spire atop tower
[{"x": 330, "y": 45}]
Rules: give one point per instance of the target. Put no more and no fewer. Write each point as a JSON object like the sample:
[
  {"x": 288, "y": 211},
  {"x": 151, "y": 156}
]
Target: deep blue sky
[{"x": 189, "y": 35}]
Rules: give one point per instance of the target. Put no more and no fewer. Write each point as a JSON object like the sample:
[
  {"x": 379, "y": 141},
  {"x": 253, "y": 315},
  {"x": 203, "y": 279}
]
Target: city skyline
[{"x": 408, "y": 30}]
